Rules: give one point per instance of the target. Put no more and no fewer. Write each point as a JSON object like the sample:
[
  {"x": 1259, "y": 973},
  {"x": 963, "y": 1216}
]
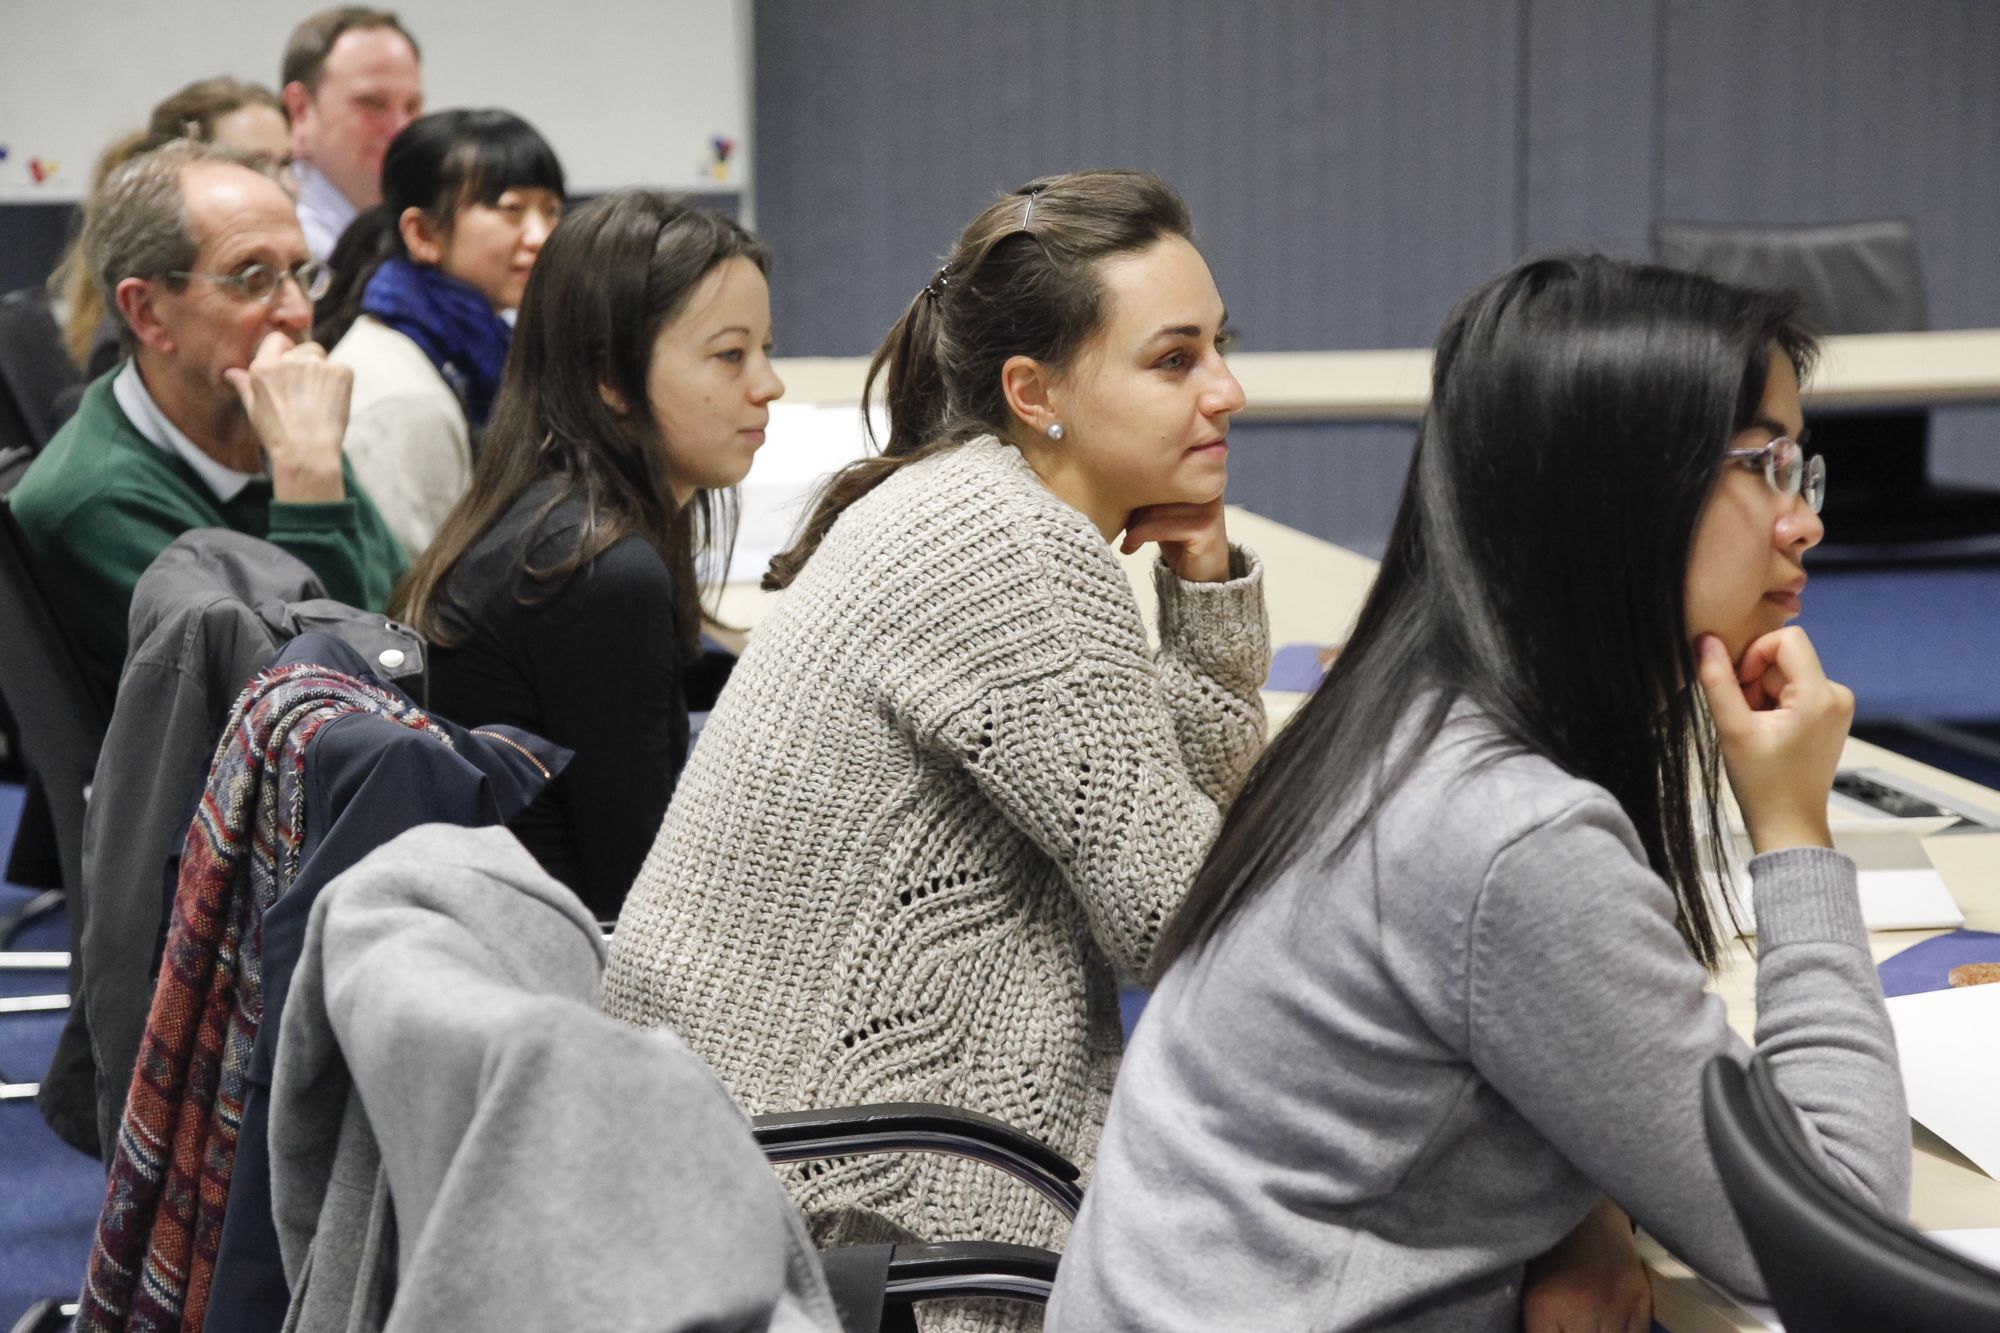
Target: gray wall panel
[
  {"x": 1338, "y": 481},
  {"x": 1821, "y": 109},
  {"x": 1592, "y": 137},
  {"x": 1351, "y": 166}
]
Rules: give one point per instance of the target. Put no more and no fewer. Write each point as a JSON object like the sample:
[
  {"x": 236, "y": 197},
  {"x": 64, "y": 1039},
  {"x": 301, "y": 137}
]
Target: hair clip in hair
[
  {"x": 939, "y": 281},
  {"x": 1028, "y": 213}
]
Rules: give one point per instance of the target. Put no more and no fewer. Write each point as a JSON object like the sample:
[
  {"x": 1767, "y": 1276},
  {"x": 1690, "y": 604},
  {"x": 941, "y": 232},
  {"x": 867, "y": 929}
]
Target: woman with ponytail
[
  {"x": 421, "y": 284},
  {"x": 950, "y": 787}
]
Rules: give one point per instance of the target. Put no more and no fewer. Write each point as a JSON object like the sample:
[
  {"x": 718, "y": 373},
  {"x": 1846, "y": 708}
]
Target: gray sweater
[
  {"x": 460, "y": 1141},
  {"x": 1386, "y": 1086}
]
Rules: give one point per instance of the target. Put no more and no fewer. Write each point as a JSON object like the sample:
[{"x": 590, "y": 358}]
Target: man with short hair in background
[
  {"x": 351, "y": 81},
  {"x": 222, "y": 415}
]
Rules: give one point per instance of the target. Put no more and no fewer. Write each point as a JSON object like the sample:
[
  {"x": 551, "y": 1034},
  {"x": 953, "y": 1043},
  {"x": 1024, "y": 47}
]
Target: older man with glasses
[{"x": 222, "y": 415}]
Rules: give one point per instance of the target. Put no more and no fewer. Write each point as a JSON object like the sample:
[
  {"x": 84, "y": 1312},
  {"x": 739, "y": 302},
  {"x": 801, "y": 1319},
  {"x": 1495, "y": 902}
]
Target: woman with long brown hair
[{"x": 561, "y": 592}]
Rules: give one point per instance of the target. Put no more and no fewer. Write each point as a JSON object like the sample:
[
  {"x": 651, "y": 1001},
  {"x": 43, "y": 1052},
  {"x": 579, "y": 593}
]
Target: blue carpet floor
[{"x": 49, "y": 1192}]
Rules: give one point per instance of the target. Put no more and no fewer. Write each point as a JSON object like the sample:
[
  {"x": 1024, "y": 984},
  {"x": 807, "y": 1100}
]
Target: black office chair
[
  {"x": 1855, "y": 277},
  {"x": 61, "y": 715},
  {"x": 1832, "y": 1263},
  {"x": 62, "y": 719},
  {"x": 34, "y": 370}
]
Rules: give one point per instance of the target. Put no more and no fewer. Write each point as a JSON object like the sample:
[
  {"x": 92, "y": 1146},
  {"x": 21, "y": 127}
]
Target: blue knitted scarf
[{"x": 451, "y": 321}]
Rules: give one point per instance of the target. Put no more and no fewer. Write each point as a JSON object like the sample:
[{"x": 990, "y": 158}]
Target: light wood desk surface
[
  {"x": 1313, "y": 591},
  {"x": 1856, "y": 370}
]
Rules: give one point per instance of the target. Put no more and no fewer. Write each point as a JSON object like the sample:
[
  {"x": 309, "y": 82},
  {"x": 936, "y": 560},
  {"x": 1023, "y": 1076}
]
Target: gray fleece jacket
[
  {"x": 461, "y": 1141},
  {"x": 1386, "y": 1086}
]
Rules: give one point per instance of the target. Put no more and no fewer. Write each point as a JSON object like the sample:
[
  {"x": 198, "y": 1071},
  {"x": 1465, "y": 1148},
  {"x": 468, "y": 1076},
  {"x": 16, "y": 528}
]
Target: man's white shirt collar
[
  {"x": 151, "y": 422},
  {"x": 324, "y": 211}
]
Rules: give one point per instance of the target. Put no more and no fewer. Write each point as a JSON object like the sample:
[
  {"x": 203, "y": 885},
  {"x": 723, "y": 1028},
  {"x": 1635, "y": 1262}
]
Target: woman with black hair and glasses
[
  {"x": 422, "y": 282},
  {"x": 1436, "y": 1002}
]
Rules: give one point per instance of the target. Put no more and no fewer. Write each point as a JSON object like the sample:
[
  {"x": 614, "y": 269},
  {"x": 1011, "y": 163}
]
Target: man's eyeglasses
[
  {"x": 1787, "y": 468},
  {"x": 260, "y": 282}
]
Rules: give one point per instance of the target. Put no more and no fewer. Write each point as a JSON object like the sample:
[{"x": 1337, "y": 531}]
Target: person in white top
[
  {"x": 352, "y": 79},
  {"x": 420, "y": 279}
]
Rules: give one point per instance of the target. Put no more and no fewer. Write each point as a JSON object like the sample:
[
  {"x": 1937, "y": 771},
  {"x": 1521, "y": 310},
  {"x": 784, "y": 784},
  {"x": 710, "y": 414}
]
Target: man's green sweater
[{"x": 102, "y": 500}]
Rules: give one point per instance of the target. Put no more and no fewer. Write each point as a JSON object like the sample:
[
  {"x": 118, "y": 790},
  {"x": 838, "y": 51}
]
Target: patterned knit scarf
[{"x": 161, "y": 1223}]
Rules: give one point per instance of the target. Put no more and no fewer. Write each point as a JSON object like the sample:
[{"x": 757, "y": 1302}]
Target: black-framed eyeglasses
[
  {"x": 1787, "y": 468},
  {"x": 260, "y": 282}
]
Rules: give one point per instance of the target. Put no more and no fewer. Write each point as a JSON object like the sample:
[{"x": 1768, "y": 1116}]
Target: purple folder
[
  {"x": 1295, "y": 667},
  {"x": 1923, "y": 967}
]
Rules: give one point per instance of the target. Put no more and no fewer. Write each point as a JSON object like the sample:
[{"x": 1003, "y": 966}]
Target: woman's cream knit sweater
[{"x": 945, "y": 789}]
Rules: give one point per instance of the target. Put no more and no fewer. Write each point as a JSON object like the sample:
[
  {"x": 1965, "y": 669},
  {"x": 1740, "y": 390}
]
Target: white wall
[{"x": 630, "y": 92}]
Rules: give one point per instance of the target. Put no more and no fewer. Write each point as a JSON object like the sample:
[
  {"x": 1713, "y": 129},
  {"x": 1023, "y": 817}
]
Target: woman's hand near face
[
  {"x": 1593, "y": 1281},
  {"x": 1190, "y": 536},
  {"x": 1781, "y": 724}
]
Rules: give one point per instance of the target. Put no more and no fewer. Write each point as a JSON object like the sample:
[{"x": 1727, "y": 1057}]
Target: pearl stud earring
[{"x": 1055, "y": 431}]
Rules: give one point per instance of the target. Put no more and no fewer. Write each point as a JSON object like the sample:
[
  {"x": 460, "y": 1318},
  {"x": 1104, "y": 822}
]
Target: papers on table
[
  {"x": 1900, "y": 888},
  {"x": 1948, "y": 1042}
]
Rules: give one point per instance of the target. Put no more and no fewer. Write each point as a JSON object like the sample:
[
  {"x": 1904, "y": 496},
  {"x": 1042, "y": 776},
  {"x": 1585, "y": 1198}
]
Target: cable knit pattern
[{"x": 947, "y": 786}]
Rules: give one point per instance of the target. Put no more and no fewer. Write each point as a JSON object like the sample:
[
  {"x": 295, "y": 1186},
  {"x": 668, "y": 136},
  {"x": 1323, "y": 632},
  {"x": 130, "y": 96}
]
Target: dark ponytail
[
  {"x": 369, "y": 241},
  {"x": 438, "y": 164},
  {"x": 1021, "y": 281}
]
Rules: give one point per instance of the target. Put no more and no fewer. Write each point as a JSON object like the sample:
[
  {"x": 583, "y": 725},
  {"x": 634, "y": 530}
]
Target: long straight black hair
[
  {"x": 437, "y": 164},
  {"x": 1580, "y": 407}
]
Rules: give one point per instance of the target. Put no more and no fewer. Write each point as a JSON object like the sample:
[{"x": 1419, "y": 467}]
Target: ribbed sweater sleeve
[
  {"x": 343, "y": 541},
  {"x": 1215, "y": 651},
  {"x": 1585, "y": 1011}
]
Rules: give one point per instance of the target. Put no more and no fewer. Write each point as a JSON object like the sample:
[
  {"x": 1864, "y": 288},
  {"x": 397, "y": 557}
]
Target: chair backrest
[
  {"x": 1852, "y": 277},
  {"x": 1855, "y": 277},
  {"x": 34, "y": 369},
  {"x": 60, "y": 715},
  {"x": 1831, "y": 1262}
]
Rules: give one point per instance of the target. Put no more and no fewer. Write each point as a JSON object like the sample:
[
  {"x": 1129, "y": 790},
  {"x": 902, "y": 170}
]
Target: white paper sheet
[
  {"x": 1979, "y": 1244},
  {"x": 1947, "y": 1041},
  {"x": 1900, "y": 889}
]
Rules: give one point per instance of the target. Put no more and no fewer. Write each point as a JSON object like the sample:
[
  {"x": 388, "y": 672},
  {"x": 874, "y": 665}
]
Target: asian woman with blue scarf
[{"x": 423, "y": 282}]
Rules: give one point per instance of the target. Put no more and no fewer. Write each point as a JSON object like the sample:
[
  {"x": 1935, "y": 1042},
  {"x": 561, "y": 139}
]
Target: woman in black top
[{"x": 560, "y": 593}]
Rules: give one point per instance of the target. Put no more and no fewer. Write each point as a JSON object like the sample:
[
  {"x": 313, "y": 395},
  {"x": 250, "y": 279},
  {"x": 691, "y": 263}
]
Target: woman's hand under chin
[
  {"x": 1191, "y": 539},
  {"x": 1593, "y": 1281}
]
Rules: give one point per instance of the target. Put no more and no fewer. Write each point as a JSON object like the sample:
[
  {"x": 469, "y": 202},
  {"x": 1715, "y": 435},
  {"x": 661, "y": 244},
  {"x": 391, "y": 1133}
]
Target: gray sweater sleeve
[{"x": 1586, "y": 1012}]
